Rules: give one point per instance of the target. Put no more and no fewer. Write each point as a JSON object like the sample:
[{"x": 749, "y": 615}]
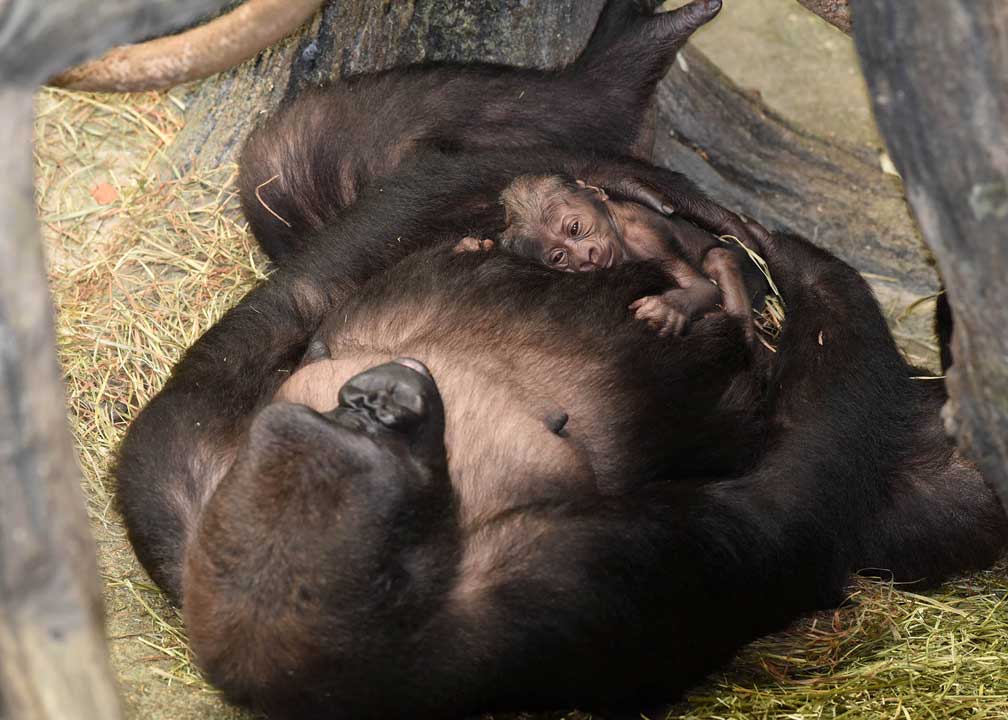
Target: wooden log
[
  {"x": 53, "y": 662},
  {"x": 195, "y": 54},
  {"x": 749, "y": 158},
  {"x": 40, "y": 39},
  {"x": 52, "y": 649},
  {"x": 937, "y": 74}
]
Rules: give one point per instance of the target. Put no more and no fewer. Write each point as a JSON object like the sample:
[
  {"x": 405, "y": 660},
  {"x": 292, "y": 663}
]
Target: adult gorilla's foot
[{"x": 398, "y": 395}]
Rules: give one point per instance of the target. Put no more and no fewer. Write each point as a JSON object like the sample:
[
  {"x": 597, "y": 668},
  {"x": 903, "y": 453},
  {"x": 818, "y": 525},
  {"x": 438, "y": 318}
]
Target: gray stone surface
[{"x": 801, "y": 66}]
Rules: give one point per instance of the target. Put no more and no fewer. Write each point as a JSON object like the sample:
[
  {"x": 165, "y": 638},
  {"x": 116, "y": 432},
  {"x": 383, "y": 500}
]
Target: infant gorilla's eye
[
  {"x": 574, "y": 229},
  {"x": 557, "y": 256}
]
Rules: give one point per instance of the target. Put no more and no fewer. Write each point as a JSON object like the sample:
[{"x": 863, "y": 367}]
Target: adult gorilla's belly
[
  {"x": 500, "y": 438},
  {"x": 516, "y": 349}
]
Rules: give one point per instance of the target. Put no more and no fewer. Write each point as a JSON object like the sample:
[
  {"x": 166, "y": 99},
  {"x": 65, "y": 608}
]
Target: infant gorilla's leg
[{"x": 722, "y": 265}]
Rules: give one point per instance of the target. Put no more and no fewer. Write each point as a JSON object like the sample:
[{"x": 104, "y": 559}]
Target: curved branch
[
  {"x": 192, "y": 55},
  {"x": 39, "y": 39}
]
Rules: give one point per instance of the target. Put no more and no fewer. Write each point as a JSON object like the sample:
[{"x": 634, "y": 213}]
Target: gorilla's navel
[
  {"x": 556, "y": 421},
  {"x": 317, "y": 350}
]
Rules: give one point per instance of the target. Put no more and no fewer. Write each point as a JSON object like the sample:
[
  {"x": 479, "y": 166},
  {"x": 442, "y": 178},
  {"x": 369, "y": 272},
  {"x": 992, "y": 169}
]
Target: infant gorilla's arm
[
  {"x": 473, "y": 244},
  {"x": 670, "y": 312},
  {"x": 573, "y": 226},
  {"x": 727, "y": 266},
  {"x": 681, "y": 248}
]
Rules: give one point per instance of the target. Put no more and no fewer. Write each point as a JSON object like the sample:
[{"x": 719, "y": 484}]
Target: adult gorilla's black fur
[{"x": 341, "y": 562}]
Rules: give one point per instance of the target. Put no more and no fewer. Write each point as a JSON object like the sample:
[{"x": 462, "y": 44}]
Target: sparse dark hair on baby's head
[{"x": 526, "y": 200}]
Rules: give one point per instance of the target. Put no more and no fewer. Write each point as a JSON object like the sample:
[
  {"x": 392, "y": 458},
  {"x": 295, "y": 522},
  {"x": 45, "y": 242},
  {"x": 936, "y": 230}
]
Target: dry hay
[{"x": 140, "y": 267}]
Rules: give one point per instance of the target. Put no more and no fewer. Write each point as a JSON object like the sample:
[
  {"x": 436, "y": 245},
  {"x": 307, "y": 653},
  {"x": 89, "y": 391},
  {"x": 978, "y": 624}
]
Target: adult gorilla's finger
[
  {"x": 641, "y": 193},
  {"x": 677, "y": 25},
  {"x": 762, "y": 237},
  {"x": 722, "y": 222}
]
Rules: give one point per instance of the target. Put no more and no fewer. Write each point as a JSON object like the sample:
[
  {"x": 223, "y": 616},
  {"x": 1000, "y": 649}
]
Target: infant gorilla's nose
[{"x": 397, "y": 394}]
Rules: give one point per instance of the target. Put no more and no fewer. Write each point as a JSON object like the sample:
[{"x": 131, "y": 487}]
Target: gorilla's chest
[{"x": 500, "y": 435}]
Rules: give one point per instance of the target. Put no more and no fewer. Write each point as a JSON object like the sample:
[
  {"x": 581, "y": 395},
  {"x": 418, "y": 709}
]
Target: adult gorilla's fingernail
[
  {"x": 668, "y": 209},
  {"x": 690, "y": 17}
]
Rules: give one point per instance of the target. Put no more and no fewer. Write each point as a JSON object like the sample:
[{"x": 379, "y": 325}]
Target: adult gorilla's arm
[{"x": 182, "y": 442}]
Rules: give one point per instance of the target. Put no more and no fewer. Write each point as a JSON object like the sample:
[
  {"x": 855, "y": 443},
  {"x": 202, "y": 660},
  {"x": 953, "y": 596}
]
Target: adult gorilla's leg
[
  {"x": 647, "y": 592},
  {"x": 913, "y": 508},
  {"x": 309, "y": 161}
]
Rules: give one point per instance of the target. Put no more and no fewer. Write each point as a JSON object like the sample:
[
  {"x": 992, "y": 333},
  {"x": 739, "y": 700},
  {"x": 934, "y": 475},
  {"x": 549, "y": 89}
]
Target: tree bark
[
  {"x": 53, "y": 663},
  {"x": 754, "y": 161},
  {"x": 936, "y": 70},
  {"x": 52, "y": 646},
  {"x": 835, "y": 12}
]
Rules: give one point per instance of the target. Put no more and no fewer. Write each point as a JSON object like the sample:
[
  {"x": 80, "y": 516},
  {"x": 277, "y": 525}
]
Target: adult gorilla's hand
[{"x": 669, "y": 193}]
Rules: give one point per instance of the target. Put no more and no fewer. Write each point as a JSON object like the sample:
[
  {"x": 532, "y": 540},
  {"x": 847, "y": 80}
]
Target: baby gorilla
[{"x": 574, "y": 227}]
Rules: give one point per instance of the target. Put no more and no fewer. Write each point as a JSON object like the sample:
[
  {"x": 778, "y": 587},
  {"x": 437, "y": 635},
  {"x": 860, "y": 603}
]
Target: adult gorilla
[{"x": 545, "y": 505}]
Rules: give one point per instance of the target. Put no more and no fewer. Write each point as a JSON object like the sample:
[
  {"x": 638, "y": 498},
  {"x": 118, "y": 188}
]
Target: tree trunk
[
  {"x": 53, "y": 664},
  {"x": 52, "y": 649},
  {"x": 937, "y": 73},
  {"x": 753, "y": 161}
]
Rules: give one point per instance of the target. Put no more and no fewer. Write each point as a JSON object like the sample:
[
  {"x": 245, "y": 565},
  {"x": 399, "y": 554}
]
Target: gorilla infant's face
[
  {"x": 578, "y": 233},
  {"x": 565, "y": 224}
]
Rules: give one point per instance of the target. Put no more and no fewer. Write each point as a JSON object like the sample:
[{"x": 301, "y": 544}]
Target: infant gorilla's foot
[
  {"x": 473, "y": 244},
  {"x": 666, "y": 314}
]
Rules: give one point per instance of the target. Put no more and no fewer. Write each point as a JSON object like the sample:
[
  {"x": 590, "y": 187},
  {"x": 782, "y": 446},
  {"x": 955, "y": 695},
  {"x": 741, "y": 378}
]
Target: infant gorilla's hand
[
  {"x": 667, "y": 314},
  {"x": 472, "y": 244}
]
